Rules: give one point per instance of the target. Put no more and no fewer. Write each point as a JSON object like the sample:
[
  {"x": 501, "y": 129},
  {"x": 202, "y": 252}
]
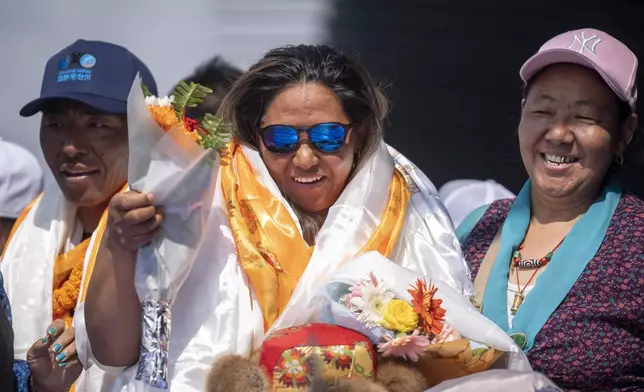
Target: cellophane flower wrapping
[
  {"x": 181, "y": 175},
  {"x": 479, "y": 344}
]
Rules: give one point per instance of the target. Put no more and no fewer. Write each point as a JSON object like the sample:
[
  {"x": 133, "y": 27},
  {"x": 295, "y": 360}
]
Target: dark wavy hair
[{"x": 283, "y": 67}]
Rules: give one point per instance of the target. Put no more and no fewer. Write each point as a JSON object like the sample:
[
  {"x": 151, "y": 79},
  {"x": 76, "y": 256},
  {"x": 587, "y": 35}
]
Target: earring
[{"x": 619, "y": 158}]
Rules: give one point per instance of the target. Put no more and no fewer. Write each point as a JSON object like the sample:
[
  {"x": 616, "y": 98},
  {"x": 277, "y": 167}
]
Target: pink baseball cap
[{"x": 613, "y": 60}]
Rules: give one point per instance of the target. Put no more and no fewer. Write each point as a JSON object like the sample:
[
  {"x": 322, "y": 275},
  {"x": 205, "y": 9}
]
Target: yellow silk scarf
[{"x": 270, "y": 247}]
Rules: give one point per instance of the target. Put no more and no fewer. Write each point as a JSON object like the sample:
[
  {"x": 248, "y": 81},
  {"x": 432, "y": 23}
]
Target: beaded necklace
[{"x": 517, "y": 263}]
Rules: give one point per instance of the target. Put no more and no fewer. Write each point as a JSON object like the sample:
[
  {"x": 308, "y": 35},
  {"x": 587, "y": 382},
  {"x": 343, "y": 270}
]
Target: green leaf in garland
[
  {"x": 146, "y": 90},
  {"x": 218, "y": 132},
  {"x": 188, "y": 96}
]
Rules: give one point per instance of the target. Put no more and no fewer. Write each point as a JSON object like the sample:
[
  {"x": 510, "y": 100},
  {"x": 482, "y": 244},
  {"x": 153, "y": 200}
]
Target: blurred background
[{"x": 449, "y": 67}]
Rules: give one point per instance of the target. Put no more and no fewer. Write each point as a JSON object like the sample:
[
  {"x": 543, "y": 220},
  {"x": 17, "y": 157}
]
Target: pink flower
[
  {"x": 407, "y": 346},
  {"x": 448, "y": 334}
]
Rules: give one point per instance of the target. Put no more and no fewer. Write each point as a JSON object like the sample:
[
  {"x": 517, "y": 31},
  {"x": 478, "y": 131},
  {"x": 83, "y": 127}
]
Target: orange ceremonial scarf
[{"x": 270, "y": 248}]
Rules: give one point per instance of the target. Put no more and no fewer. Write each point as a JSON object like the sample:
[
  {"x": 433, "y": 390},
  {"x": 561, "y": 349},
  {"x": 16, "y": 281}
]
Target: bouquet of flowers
[
  {"x": 408, "y": 328},
  {"x": 429, "y": 324},
  {"x": 174, "y": 158}
]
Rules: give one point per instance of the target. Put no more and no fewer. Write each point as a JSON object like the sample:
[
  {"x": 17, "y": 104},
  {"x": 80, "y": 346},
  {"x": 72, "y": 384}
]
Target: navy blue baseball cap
[{"x": 98, "y": 74}]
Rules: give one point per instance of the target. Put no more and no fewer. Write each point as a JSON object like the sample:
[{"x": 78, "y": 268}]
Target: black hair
[{"x": 218, "y": 75}]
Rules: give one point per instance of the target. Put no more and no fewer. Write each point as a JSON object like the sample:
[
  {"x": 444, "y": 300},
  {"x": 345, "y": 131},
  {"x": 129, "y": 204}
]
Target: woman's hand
[
  {"x": 53, "y": 361},
  {"x": 133, "y": 220}
]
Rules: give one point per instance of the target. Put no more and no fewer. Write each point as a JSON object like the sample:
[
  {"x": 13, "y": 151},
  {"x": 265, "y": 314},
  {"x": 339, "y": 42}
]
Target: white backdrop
[{"x": 171, "y": 37}]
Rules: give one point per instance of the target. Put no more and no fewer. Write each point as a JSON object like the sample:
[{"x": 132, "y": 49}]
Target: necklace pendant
[{"x": 518, "y": 300}]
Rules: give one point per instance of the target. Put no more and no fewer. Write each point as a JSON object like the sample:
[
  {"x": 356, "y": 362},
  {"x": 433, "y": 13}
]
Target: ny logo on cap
[{"x": 584, "y": 42}]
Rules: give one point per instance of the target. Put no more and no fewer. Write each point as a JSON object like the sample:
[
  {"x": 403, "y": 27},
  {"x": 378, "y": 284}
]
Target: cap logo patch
[
  {"x": 88, "y": 61},
  {"x": 76, "y": 67},
  {"x": 585, "y": 43}
]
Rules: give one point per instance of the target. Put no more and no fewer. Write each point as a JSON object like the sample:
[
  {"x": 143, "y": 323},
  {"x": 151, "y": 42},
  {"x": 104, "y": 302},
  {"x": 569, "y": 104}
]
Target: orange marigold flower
[
  {"x": 165, "y": 116},
  {"x": 64, "y": 298},
  {"x": 429, "y": 309},
  {"x": 191, "y": 134}
]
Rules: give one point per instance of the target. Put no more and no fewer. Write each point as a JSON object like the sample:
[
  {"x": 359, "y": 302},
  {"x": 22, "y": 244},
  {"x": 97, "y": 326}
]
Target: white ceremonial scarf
[
  {"x": 28, "y": 270},
  {"x": 216, "y": 312}
]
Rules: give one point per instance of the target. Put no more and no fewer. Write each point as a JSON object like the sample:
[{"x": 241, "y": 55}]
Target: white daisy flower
[
  {"x": 373, "y": 297},
  {"x": 155, "y": 101}
]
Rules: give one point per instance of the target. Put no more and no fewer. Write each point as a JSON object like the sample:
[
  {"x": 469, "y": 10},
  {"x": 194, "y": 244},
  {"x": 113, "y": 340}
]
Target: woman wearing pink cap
[{"x": 561, "y": 267}]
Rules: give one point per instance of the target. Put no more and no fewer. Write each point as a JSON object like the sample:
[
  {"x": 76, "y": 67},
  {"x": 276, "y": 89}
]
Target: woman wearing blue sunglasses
[{"x": 308, "y": 184}]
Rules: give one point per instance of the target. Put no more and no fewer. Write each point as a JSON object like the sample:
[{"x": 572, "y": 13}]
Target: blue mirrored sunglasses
[{"x": 324, "y": 137}]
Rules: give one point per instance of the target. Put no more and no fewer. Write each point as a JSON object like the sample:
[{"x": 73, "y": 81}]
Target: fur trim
[
  {"x": 400, "y": 376},
  {"x": 234, "y": 373}
]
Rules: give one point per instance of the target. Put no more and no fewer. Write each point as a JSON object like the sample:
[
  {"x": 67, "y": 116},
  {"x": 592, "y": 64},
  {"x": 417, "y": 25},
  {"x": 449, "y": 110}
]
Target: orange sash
[{"x": 270, "y": 248}]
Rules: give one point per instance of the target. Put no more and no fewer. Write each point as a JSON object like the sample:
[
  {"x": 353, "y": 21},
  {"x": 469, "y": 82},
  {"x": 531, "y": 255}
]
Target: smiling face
[
  {"x": 86, "y": 151},
  {"x": 570, "y": 131},
  {"x": 311, "y": 179}
]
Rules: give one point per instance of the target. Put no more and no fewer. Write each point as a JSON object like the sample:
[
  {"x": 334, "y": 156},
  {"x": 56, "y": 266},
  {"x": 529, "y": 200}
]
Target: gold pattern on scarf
[{"x": 270, "y": 248}]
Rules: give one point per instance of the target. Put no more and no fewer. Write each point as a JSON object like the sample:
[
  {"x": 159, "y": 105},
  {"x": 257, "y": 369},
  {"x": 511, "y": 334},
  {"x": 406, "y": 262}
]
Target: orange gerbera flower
[
  {"x": 429, "y": 309},
  {"x": 165, "y": 116}
]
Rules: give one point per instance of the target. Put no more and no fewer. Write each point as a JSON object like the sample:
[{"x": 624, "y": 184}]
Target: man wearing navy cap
[{"x": 83, "y": 136}]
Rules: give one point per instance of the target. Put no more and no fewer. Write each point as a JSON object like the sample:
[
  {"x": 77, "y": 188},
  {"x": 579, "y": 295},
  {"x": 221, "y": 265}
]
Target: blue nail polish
[
  {"x": 57, "y": 347},
  {"x": 51, "y": 331},
  {"x": 60, "y": 357},
  {"x": 62, "y": 364},
  {"x": 44, "y": 340}
]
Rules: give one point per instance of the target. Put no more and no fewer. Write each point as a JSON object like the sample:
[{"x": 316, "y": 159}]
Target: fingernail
[
  {"x": 56, "y": 347},
  {"x": 44, "y": 340},
  {"x": 60, "y": 357},
  {"x": 51, "y": 331},
  {"x": 150, "y": 198},
  {"x": 62, "y": 364}
]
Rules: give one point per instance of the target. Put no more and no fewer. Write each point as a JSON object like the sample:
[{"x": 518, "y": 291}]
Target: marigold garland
[
  {"x": 165, "y": 116},
  {"x": 65, "y": 296}
]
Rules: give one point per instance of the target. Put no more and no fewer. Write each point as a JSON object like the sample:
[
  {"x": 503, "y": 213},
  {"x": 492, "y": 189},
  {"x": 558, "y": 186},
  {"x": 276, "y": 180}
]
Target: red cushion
[{"x": 344, "y": 353}]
